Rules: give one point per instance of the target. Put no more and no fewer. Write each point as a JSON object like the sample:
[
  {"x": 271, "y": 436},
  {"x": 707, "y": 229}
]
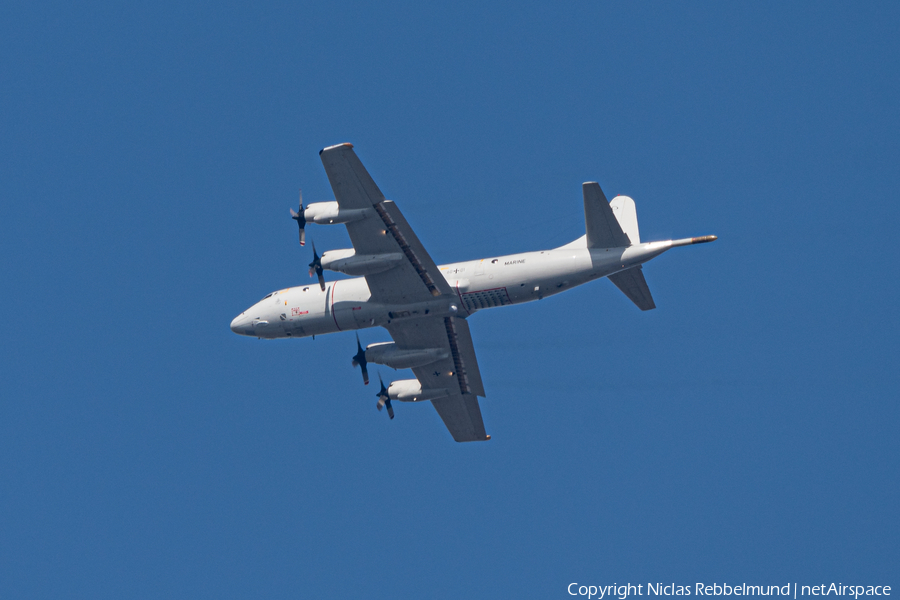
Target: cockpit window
[{"x": 270, "y": 295}]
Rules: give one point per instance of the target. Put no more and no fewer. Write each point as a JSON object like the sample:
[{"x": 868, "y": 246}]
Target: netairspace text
[{"x": 792, "y": 590}]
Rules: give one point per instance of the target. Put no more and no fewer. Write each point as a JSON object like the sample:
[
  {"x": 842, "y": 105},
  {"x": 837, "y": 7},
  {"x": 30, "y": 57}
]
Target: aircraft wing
[
  {"x": 382, "y": 231},
  {"x": 458, "y": 374}
]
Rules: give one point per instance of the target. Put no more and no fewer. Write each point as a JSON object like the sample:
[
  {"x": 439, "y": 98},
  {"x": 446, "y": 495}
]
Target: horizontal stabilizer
[
  {"x": 603, "y": 229},
  {"x": 632, "y": 283}
]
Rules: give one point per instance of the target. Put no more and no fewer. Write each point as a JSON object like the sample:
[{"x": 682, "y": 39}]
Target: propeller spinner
[
  {"x": 384, "y": 399},
  {"x": 359, "y": 359},
  {"x": 300, "y": 217}
]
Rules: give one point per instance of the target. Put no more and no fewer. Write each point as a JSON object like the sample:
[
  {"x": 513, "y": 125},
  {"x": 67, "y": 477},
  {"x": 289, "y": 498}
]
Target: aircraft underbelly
[{"x": 522, "y": 278}]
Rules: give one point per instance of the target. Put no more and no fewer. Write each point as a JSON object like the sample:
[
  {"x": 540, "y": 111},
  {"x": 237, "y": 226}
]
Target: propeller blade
[
  {"x": 359, "y": 360},
  {"x": 316, "y": 267},
  {"x": 300, "y": 217},
  {"x": 384, "y": 399}
]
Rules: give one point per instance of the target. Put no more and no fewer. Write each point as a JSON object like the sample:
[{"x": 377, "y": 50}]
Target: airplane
[{"x": 425, "y": 307}]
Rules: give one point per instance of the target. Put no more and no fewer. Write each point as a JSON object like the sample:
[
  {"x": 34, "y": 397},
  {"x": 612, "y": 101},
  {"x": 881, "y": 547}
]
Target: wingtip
[{"x": 347, "y": 144}]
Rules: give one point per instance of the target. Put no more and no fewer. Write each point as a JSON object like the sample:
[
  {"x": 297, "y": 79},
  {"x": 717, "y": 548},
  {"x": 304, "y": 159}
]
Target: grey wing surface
[
  {"x": 457, "y": 373},
  {"x": 383, "y": 231}
]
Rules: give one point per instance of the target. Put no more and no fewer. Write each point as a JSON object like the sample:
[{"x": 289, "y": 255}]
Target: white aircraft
[{"x": 423, "y": 306}]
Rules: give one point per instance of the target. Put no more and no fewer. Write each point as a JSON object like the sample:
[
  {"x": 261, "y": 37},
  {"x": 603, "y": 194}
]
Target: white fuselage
[{"x": 477, "y": 284}]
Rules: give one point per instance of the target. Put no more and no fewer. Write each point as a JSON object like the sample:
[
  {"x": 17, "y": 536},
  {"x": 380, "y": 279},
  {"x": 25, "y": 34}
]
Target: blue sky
[{"x": 744, "y": 431}]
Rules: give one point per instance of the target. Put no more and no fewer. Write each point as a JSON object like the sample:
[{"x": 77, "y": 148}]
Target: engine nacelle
[
  {"x": 388, "y": 354},
  {"x": 347, "y": 261},
  {"x": 410, "y": 390},
  {"x": 328, "y": 213}
]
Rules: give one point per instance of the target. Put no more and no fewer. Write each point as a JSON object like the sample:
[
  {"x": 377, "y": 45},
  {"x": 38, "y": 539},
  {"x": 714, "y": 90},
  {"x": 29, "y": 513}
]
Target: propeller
[
  {"x": 316, "y": 267},
  {"x": 300, "y": 217},
  {"x": 384, "y": 399},
  {"x": 360, "y": 360}
]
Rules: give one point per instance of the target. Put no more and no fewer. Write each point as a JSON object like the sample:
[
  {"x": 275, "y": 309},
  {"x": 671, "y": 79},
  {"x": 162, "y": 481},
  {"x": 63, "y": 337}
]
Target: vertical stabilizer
[{"x": 626, "y": 215}]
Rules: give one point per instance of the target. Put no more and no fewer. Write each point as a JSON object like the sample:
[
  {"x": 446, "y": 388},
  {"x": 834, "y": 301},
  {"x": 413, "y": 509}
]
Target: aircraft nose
[{"x": 241, "y": 324}]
